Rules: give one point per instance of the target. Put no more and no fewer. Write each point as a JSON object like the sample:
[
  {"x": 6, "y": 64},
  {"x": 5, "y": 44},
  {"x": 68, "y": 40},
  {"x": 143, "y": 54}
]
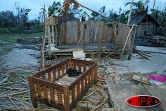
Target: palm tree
[
  {"x": 55, "y": 6},
  {"x": 138, "y": 7}
]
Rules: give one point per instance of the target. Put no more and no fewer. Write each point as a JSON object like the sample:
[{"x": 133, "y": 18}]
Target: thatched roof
[{"x": 143, "y": 18}]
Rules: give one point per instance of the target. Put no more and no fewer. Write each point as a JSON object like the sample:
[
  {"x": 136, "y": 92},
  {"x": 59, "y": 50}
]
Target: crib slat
[
  {"x": 59, "y": 97},
  {"x": 49, "y": 76},
  {"x": 75, "y": 65},
  {"x": 84, "y": 67},
  {"x": 62, "y": 69},
  {"x": 45, "y": 92},
  {"x": 44, "y": 77},
  {"x": 54, "y": 74},
  {"x": 79, "y": 67},
  {"x": 67, "y": 66},
  {"x": 85, "y": 81},
  {"x": 78, "y": 89},
  {"x": 73, "y": 94},
  {"x": 52, "y": 95},
  {"x": 59, "y": 72},
  {"x": 82, "y": 85},
  {"x": 89, "y": 77},
  {"x": 38, "y": 90}
]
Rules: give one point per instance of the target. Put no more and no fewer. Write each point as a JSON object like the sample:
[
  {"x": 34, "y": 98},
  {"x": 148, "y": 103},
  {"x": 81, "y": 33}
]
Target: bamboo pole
[
  {"x": 43, "y": 41},
  {"x": 53, "y": 34},
  {"x": 130, "y": 12},
  {"x": 97, "y": 13},
  {"x": 127, "y": 40},
  {"x": 132, "y": 44},
  {"x": 99, "y": 39},
  {"x": 49, "y": 40},
  {"x": 83, "y": 42}
]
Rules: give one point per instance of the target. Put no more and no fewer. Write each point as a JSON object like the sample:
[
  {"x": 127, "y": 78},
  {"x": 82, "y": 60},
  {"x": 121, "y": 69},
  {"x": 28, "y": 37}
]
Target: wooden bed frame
[{"x": 50, "y": 87}]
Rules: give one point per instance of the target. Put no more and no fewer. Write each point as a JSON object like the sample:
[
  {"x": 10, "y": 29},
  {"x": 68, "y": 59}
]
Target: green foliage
[
  {"x": 96, "y": 16},
  {"x": 138, "y": 7},
  {"x": 54, "y": 7}
]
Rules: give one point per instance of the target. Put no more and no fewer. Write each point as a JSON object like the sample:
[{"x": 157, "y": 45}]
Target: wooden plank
[
  {"x": 159, "y": 92},
  {"x": 120, "y": 92}
]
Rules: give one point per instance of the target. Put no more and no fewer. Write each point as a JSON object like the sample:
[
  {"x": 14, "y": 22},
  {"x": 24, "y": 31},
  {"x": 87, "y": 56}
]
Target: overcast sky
[{"x": 36, "y": 5}]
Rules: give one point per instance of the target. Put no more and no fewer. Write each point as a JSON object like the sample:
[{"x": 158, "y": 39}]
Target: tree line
[{"x": 19, "y": 21}]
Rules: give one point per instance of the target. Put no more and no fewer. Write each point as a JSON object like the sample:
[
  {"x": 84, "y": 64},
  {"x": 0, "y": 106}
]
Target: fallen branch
[
  {"x": 13, "y": 102},
  {"x": 90, "y": 94},
  {"x": 105, "y": 100},
  {"x": 4, "y": 80},
  {"x": 22, "y": 78},
  {"x": 13, "y": 94}
]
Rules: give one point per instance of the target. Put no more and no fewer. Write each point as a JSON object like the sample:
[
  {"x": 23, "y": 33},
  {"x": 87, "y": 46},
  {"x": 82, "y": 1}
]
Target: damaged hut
[{"x": 146, "y": 25}]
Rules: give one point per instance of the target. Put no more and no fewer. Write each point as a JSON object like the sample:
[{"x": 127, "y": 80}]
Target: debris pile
[
  {"x": 150, "y": 41},
  {"x": 14, "y": 92},
  {"x": 30, "y": 41}
]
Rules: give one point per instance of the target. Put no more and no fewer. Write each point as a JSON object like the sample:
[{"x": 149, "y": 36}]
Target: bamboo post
[
  {"x": 53, "y": 34},
  {"x": 56, "y": 38},
  {"x": 43, "y": 40},
  {"x": 130, "y": 12},
  {"x": 83, "y": 43},
  {"x": 132, "y": 44},
  {"x": 99, "y": 40},
  {"x": 126, "y": 40},
  {"x": 49, "y": 40}
]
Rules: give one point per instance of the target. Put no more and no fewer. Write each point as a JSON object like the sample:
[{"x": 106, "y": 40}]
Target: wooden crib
[{"x": 53, "y": 86}]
